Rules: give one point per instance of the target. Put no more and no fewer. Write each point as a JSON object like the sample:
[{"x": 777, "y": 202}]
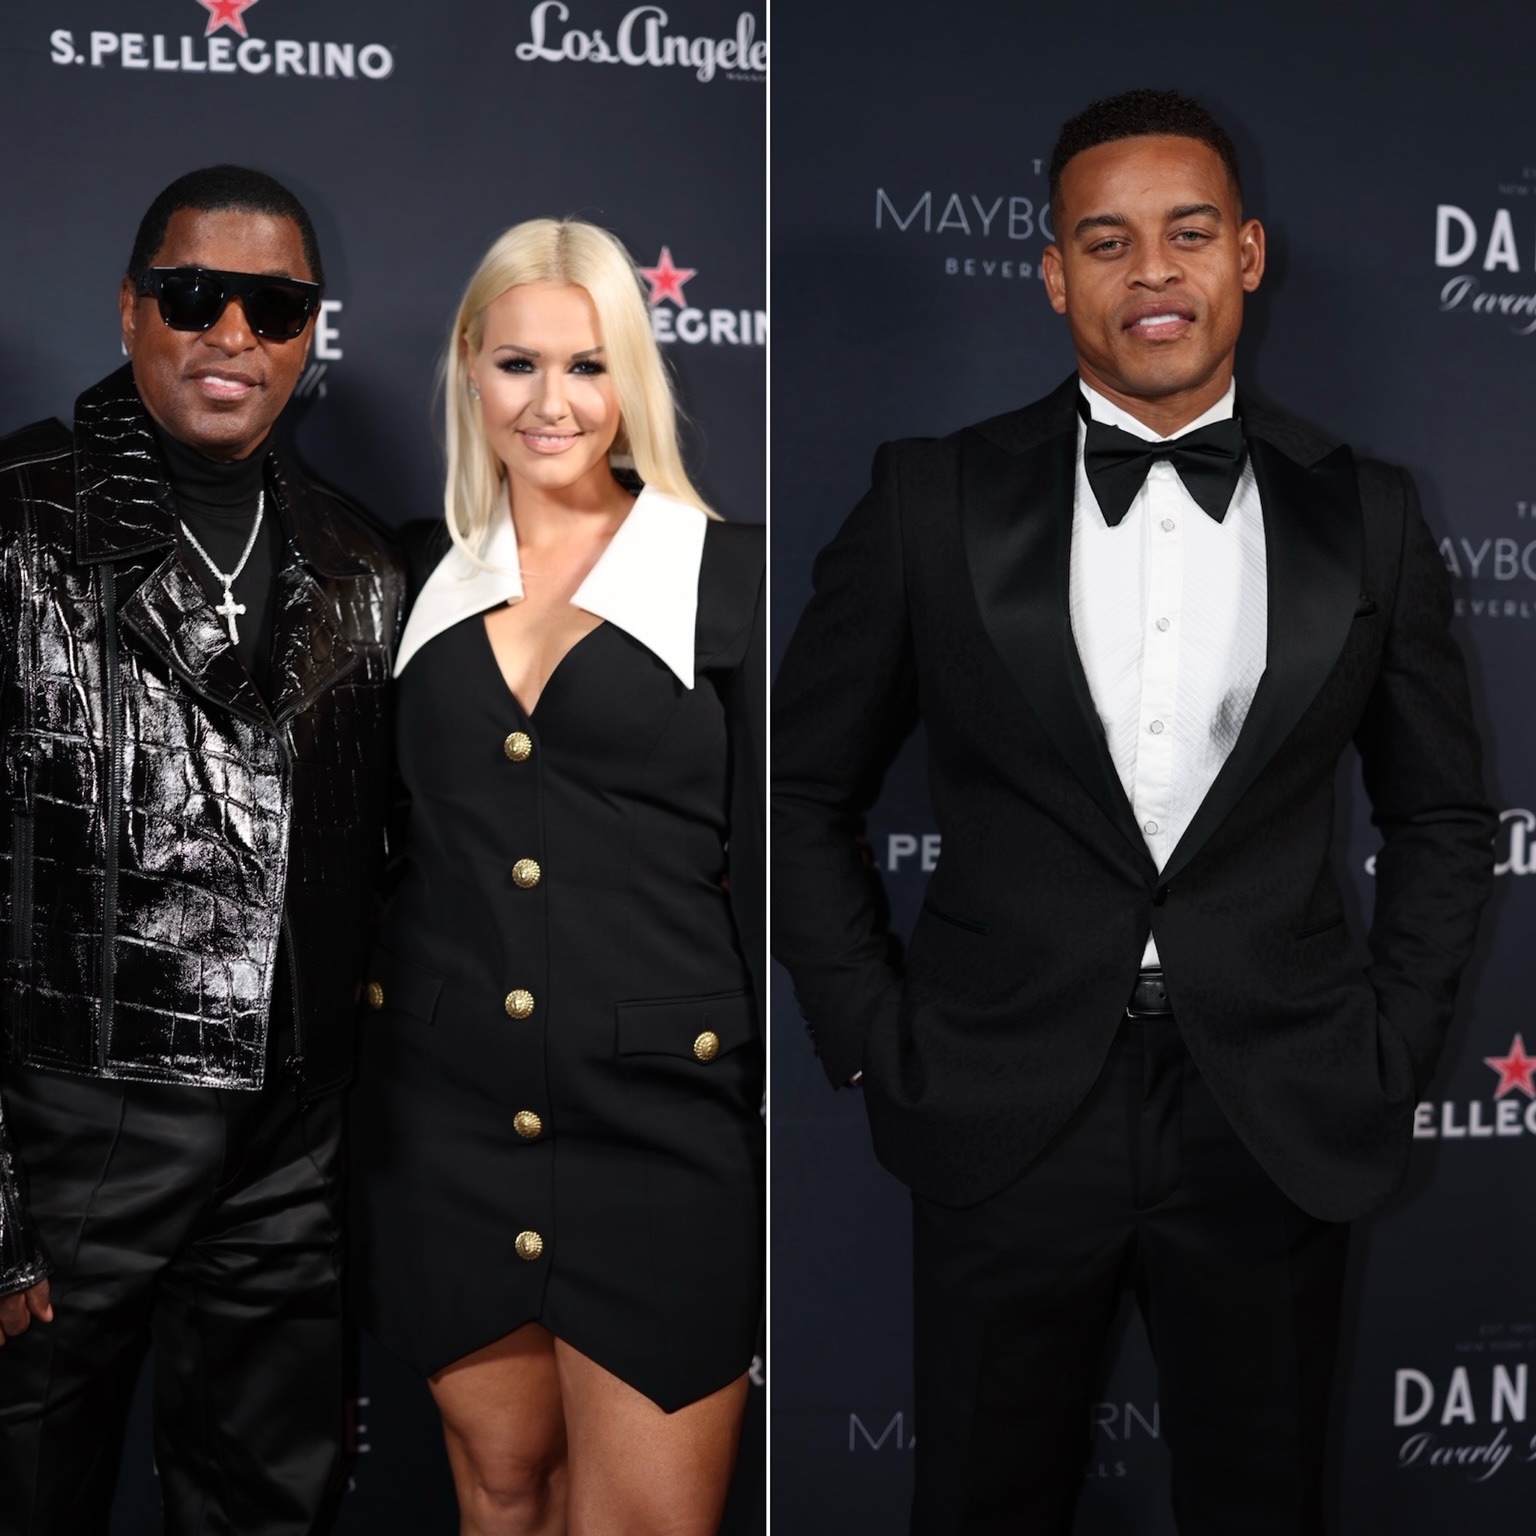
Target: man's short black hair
[
  {"x": 212, "y": 190},
  {"x": 1134, "y": 115}
]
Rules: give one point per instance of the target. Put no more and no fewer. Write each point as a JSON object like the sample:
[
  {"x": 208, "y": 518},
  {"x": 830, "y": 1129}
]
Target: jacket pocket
[
  {"x": 699, "y": 1028},
  {"x": 968, "y": 924},
  {"x": 397, "y": 985},
  {"x": 1315, "y": 929}
]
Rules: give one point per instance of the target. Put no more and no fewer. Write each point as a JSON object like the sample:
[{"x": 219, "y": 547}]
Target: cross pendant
[{"x": 227, "y": 611}]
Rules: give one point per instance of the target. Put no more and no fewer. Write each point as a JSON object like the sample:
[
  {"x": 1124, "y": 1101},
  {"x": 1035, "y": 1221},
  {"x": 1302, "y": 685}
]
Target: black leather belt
[{"x": 1149, "y": 997}]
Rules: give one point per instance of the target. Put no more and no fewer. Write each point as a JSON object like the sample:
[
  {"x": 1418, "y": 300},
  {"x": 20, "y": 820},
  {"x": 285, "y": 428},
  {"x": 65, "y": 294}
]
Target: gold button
[
  {"x": 526, "y": 873},
  {"x": 519, "y": 1003},
  {"x": 527, "y": 1124},
  {"x": 707, "y": 1046},
  {"x": 375, "y": 995},
  {"x": 518, "y": 746},
  {"x": 529, "y": 1245}
]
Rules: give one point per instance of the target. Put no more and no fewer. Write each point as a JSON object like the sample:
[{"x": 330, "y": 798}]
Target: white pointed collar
[
  {"x": 1106, "y": 411},
  {"x": 646, "y": 582}
]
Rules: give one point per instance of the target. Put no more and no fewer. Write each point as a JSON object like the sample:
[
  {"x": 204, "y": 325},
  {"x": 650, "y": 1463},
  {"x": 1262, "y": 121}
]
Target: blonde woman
[{"x": 558, "y": 1137}]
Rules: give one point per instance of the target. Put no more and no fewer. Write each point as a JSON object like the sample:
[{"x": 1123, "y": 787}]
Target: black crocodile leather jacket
[{"x": 165, "y": 827}]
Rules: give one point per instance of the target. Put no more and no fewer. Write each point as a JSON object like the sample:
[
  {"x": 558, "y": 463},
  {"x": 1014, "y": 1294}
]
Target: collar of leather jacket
[{"x": 124, "y": 505}]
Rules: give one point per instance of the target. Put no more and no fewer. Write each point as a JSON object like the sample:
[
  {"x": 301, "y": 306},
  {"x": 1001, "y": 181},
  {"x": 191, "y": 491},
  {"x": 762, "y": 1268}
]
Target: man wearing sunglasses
[{"x": 195, "y": 645}]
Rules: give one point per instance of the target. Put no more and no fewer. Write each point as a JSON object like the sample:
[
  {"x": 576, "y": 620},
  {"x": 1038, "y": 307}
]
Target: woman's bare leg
[{"x": 506, "y": 1437}]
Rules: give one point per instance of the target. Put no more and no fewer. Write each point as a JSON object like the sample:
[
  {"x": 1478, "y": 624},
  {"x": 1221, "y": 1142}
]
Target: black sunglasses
[{"x": 192, "y": 298}]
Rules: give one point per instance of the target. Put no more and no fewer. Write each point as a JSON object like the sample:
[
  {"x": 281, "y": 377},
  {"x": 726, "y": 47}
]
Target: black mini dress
[{"x": 557, "y": 1116}]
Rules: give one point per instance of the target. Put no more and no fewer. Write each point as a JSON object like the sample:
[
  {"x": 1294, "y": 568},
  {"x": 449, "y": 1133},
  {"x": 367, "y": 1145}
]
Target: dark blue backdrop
[
  {"x": 415, "y": 134},
  {"x": 906, "y": 238}
]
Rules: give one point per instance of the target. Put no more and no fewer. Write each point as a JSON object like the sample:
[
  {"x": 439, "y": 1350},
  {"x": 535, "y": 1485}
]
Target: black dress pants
[
  {"x": 1146, "y": 1186},
  {"x": 204, "y": 1222}
]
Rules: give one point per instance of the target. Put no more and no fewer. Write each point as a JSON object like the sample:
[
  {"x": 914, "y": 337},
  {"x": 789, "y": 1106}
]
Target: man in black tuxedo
[{"x": 1132, "y": 1042}]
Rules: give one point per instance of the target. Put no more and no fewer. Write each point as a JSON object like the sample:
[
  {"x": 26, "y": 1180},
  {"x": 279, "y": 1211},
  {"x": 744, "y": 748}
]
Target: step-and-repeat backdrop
[
  {"x": 1391, "y": 152},
  {"x": 415, "y": 134}
]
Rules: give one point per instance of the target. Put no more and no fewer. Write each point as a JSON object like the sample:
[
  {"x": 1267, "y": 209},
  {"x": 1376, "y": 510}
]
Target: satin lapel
[
  {"x": 172, "y": 617},
  {"x": 1313, "y": 550},
  {"x": 1016, "y": 513},
  {"x": 309, "y": 651}
]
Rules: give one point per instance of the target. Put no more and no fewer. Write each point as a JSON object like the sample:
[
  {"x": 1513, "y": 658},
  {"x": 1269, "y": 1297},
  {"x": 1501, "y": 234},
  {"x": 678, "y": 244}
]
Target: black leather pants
[{"x": 204, "y": 1222}]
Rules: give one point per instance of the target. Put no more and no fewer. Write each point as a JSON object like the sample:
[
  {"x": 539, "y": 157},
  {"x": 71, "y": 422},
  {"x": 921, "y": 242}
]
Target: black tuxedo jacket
[{"x": 944, "y": 597}]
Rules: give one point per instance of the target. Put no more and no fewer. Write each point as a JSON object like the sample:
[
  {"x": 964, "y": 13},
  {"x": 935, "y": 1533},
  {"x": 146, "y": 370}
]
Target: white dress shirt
[{"x": 1170, "y": 612}]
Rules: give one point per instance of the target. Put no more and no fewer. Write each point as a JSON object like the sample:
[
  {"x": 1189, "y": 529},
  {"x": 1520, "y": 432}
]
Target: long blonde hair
[{"x": 585, "y": 256}]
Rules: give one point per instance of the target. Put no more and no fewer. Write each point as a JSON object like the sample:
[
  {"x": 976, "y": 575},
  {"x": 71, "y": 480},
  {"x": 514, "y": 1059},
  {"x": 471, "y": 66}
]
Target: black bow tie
[{"x": 1208, "y": 460}]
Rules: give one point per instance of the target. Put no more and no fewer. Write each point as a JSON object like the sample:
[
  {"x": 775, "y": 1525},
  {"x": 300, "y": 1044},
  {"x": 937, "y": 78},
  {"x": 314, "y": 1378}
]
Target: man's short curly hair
[{"x": 1134, "y": 115}]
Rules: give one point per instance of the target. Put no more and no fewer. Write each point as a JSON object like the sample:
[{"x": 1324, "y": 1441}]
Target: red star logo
[
  {"x": 665, "y": 279},
  {"x": 1514, "y": 1070},
  {"x": 226, "y": 13}
]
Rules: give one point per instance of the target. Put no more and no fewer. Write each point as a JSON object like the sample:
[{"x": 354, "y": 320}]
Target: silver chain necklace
[{"x": 229, "y": 607}]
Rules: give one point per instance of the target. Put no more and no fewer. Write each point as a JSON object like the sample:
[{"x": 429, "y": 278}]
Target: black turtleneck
[{"x": 217, "y": 503}]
